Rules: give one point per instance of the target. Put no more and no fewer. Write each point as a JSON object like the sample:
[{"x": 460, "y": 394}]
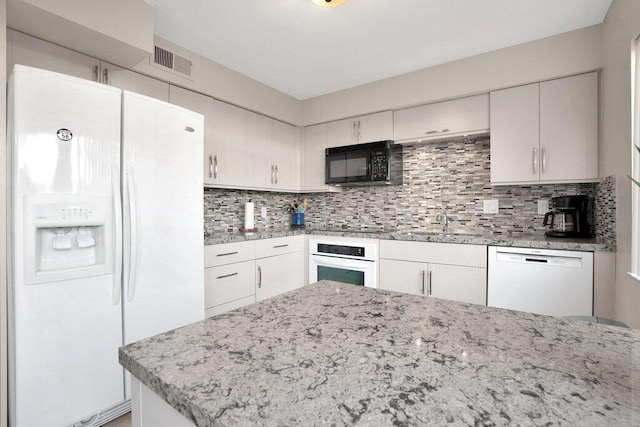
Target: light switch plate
[
  {"x": 490, "y": 206},
  {"x": 543, "y": 206},
  {"x": 263, "y": 212}
]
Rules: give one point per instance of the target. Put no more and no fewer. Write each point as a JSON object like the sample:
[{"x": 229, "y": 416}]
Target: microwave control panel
[{"x": 379, "y": 166}]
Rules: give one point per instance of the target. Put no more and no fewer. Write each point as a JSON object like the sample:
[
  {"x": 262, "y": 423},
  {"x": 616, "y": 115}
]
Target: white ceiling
[{"x": 306, "y": 51}]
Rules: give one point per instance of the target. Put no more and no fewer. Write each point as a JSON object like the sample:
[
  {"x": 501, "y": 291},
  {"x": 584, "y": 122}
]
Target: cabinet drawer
[
  {"x": 228, "y": 253},
  {"x": 440, "y": 253},
  {"x": 223, "y": 308},
  {"x": 228, "y": 283},
  {"x": 278, "y": 246}
]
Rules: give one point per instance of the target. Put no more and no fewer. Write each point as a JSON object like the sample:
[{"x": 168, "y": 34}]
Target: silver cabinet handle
[
  {"x": 359, "y": 133},
  {"x": 276, "y": 174},
  {"x": 544, "y": 159},
  {"x": 227, "y": 275},
  {"x": 228, "y": 253},
  {"x": 105, "y": 76},
  {"x": 535, "y": 160},
  {"x": 215, "y": 167},
  {"x": 272, "y": 174},
  {"x": 210, "y": 166},
  {"x": 429, "y": 282},
  {"x": 259, "y": 277},
  {"x": 353, "y": 131},
  {"x": 280, "y": 246},
  {"x": 95, "y": 73},
  {"x": 424, "y": 275},
  {"x": 431, "y": 132}
]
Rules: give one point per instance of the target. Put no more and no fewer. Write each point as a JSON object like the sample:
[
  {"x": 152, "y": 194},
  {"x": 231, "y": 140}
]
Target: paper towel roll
[{"x": 248, "y": 215}]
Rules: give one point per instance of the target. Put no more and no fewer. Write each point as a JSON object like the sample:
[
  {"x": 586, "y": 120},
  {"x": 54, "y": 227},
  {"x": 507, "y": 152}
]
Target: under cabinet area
[
  {"x": 536, "y": 128},
  {"x": 238, "y": 274},
  {"x": 442, "y": 270},
  {"x": 442, "y": 120}
]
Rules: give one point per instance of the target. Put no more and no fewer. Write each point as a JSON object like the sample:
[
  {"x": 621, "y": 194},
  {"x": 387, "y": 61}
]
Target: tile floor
[{"x": 123, "y": 421}]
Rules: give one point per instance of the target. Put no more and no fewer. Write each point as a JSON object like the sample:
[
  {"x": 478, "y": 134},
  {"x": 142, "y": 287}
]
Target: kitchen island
[{"x": 331, "y": 353}]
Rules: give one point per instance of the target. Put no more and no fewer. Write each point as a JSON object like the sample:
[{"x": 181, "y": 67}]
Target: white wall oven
[{"x": 343, "y": 261}]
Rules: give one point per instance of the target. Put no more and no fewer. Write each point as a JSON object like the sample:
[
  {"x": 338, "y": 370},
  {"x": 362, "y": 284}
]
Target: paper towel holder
[{"x": 248, "y": 230}]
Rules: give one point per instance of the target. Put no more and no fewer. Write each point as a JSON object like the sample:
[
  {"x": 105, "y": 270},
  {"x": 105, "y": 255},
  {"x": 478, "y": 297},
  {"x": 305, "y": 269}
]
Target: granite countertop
[
  {"x": 335, "y": 354},
  {"x": 524, "y": 241}
]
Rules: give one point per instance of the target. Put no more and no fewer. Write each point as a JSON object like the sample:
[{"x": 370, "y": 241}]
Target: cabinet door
[
  {"x": 442, "y": 120},
  {"x": 26, "y": 50},
  {"x": 227, "y": 283},
  {"x": 569, "y": 128},
  {"x": 404, "y": 276},
  {"x": 465, "y": 284},
  {"x": 228, "y": 136},
  {"x": 515, "y": 135},
  {"x": 278, "y": 274},
  {"x": 375, "y": 127},
  {"x": 286, "y": 156},
  {"x": 134, "y": 82},
  {"x": 342, "y": 132},
  {"x": 259, "y": 142},
  {"x": 204, "y": 105},
  {"x": 314, "y": 158}
]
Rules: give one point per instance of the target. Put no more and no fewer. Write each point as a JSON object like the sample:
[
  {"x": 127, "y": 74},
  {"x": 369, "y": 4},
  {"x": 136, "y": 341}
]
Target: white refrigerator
[{"x": 106, "y": 239}]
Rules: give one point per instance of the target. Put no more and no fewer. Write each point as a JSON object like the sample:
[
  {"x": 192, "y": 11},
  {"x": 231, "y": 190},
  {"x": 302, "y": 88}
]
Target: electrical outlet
[
  {"x": 543, "y": 206},
  {"x": 263, "y": 212},
  {"x": 490, "y": 206}
]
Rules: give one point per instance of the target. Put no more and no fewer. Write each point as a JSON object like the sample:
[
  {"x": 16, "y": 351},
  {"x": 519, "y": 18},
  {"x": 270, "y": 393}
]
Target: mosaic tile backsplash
[{"x": 447, "y": 177}]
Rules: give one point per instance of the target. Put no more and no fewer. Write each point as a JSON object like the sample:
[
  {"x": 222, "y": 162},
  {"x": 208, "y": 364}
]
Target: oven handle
[
  {"x": 324, "y": 256},
  {"x": 330, "y": 264}
]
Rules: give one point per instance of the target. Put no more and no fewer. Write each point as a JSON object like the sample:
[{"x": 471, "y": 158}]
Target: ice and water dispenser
[{"x": 67, "y": 237}]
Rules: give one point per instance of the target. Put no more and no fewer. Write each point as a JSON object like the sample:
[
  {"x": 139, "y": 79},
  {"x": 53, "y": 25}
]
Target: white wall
[
  {"x": 557, "y": 56},
  {"x": 621, "y": 25},
  {"x": 223, "y": 83},
  {"x": 119, "y": 31},
  {"x": 3, "y": 216}
]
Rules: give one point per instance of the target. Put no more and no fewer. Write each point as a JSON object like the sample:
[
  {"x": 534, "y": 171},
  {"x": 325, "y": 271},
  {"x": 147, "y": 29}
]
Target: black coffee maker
[{"x": 568, "y": 217}]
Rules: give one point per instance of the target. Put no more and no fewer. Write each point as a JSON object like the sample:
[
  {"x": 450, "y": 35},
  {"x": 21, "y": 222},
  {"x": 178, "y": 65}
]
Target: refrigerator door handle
[
  {"x": 133, "y": 244},
  {"x": 117, "y": 207}
]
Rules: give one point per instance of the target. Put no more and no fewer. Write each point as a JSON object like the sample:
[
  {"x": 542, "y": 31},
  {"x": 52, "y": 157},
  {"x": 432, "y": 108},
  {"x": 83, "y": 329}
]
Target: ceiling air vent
[{"x": 169, "y": 61}]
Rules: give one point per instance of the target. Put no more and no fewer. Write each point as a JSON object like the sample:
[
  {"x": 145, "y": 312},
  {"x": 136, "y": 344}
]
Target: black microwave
[{"x": 374, "y": 163}]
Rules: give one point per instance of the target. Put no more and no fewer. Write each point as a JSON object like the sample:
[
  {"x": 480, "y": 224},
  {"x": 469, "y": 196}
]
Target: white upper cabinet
[
  {"x": 258, "y": 131},
  {"x": 230, "y": 164},
  {"x": 360, "y": 130},
  {"x": 204, "y": 105},
  {"x": 442, "y": 120},
  {"x": 515, "y": 134},
  {"x": 286, "y": 157},
  {"x": 569, "y": 128},
  {"x": 545, "y": 132},
  {"x": 26, "y": 50},
  {"x": 134, "y": 82},
  {"x": 313, "y": 163}
]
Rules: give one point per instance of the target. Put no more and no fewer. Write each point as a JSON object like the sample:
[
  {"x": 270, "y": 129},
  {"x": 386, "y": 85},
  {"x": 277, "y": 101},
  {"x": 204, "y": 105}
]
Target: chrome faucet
[{"x": 444, "y": 220}]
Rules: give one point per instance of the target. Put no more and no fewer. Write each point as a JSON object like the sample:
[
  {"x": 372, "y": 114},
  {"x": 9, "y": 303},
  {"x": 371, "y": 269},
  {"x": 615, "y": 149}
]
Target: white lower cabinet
[
  {"x": 409, "y": 267},
  {"x": 238, "y": 274},
  {"x": 278, "y": 274}
]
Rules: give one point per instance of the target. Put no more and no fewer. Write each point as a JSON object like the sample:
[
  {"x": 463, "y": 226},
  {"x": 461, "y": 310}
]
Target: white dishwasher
[{"x": 543, "y": 281}]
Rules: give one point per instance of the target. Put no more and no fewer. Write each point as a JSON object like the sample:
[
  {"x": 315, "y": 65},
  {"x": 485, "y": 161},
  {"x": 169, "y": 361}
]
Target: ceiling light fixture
[{"x": 328, "y": 3}]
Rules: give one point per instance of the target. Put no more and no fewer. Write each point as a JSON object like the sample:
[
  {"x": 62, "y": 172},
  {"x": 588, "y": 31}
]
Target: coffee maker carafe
[{"x": 568, "y": 217}]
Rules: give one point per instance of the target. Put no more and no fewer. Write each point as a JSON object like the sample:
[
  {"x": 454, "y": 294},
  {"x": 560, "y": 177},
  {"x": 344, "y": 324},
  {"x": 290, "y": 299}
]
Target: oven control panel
[{"x": 356, "y": 251}]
